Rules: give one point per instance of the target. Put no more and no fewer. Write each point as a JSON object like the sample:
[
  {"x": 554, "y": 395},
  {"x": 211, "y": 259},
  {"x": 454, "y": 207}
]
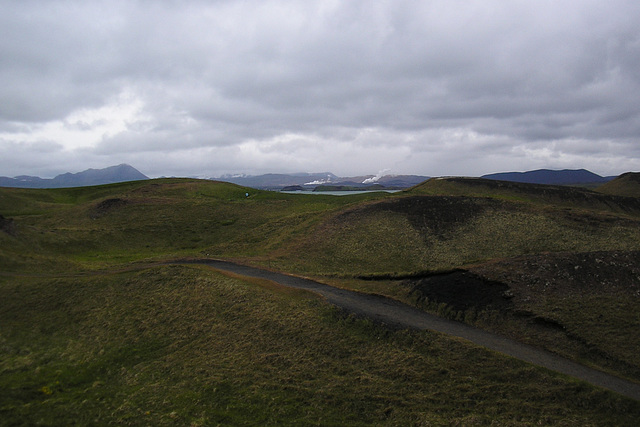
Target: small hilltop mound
[
  {"x": 627, "y": 184},
  {"x": 539, "y": 194}
]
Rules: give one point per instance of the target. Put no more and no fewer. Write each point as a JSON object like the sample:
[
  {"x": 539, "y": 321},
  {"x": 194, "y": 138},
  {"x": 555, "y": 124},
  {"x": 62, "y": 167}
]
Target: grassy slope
[
  {"x": 85, "y": 228},
  {"x": 582, "y": 305},
  {"x": 556, "y": 195},
  {"x": 412, "y": 234},
  {"x": 409, "y": 234},
  {"x": 627, "y": 184},
  {"x": 68, "y": 230},
  {"x": 184, "y": 345},
  {"x": 99, "y": 226}
]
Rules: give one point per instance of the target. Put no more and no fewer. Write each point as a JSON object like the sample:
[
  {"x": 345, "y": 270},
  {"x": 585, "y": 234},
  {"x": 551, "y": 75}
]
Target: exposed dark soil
[
  {"x": 567, "y": 274},
  {"x": 591, "y": 220},
  {"x": 522, "y": 291},
  {"x": 511, "y": 285},
  {"x": 106, "y": 206},
  {"x": 437, "y": 216},
  {"x": 537, "y": 281},
  {"x": 462, "y": 290},
  {"x": 7, "y": 225}
]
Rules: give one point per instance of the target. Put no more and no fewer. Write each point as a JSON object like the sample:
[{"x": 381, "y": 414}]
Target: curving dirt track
[{"x": 393, "y": 312}]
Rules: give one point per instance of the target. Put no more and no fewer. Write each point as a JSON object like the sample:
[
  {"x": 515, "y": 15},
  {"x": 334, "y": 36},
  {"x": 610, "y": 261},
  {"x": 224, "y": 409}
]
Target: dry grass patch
[{"x": 185, "y": 345}]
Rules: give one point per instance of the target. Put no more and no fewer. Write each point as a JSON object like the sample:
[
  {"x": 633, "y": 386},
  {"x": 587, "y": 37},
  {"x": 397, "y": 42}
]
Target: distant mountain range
[
  {"x": 303, "y": 181},
  {"x": 277, "y": 181},
  {"x": 110, "y": 175},
  {"x": 552, "y": 177},
  {"x": 309, "y": 181}
]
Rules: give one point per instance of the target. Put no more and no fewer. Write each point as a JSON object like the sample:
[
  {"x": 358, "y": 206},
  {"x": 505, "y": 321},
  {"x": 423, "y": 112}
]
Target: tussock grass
[{"x": 187, "y": 346}]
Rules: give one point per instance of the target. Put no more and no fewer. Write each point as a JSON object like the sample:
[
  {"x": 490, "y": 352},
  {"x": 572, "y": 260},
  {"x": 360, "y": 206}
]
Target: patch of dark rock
[
  {"x": 462, "y": 290},
  {"x": 107, "y": 205},
  {"x": 7, "y": 225},
  {"x": 561, "y": 275}
]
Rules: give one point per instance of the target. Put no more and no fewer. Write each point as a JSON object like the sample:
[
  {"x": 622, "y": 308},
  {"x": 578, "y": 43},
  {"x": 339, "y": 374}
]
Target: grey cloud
[{"x": 222, "y": 74}]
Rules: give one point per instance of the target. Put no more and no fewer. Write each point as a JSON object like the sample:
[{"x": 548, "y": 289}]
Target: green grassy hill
[
  {"x": 396, "y": 242},
  {"x": 92, "y": 227},
  {"x": 627, "y": 184},
  {"x": 538, "y": 194},
  {"x": 94, "y": 330},
  {"x": 452, "y": 222}
]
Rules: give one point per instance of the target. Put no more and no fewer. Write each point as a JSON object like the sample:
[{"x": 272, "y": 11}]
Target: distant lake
[{"x": 339, "y": 193}]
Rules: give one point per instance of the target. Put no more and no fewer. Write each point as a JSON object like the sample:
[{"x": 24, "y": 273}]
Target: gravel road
[{"x": 393, "y": 312}]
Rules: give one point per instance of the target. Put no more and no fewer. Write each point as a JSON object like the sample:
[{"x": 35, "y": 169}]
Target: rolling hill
[
  {"x": 552, "y": 195},
  {"x": 627, "y": 184},
  {"x": 95, "y": 325}
]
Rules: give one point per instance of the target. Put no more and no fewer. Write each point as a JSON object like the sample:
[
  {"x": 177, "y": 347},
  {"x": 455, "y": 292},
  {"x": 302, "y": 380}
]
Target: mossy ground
[{"x": 188, "y": 346}]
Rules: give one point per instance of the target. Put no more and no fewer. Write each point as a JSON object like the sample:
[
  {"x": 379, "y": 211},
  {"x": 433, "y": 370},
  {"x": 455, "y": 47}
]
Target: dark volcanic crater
[
  {"x": 462, "y": 290},
  {"x": 429, "y": 214}
]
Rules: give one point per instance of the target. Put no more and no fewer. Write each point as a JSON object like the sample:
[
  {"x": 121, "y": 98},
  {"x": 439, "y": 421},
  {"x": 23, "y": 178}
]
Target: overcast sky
[{"x": 205, "y": 88}]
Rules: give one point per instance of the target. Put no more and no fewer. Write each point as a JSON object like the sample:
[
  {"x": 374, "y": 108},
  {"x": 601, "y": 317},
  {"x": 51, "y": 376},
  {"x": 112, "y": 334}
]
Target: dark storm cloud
[{"x": 436, "y": 87}]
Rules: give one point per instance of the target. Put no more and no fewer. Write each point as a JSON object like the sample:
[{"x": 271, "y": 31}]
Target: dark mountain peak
[
  {"x": 109, "y": 175},
  {"x": 549, "y": 176}
]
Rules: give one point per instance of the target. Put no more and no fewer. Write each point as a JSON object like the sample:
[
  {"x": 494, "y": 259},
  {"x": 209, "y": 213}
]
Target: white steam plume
[{"x": 373, "y": 179}]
